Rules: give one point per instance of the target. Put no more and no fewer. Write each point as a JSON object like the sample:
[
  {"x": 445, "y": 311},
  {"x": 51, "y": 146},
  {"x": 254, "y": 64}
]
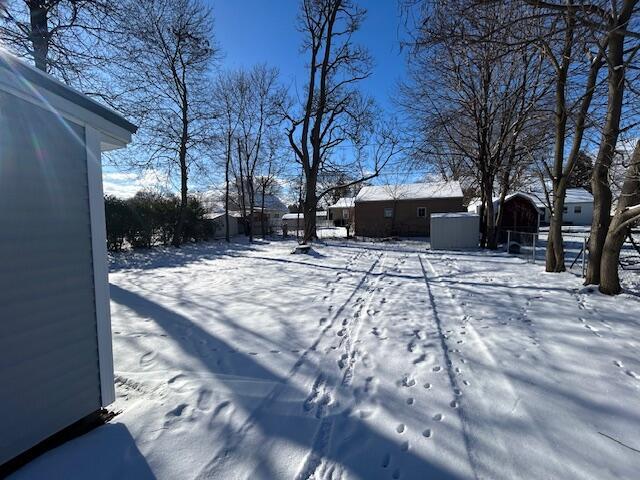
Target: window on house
[
  {"x": 422, "y": 212},
  {"x": 388, "y": 212},
  {"x": 577, "y": 209},
  {"x": 565, "y": 210},
  {"x": 345, "y": 214}
]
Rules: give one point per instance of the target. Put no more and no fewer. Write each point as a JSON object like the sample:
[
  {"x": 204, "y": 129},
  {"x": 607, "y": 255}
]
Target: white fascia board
[
  {"x": 116, "y": 135},
  {"x": 93, "y": 140}
]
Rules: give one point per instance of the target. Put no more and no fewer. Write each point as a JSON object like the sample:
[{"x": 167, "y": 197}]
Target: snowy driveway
[{"x": 361, "y": 361}]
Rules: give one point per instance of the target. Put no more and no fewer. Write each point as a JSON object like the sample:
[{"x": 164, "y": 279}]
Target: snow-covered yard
[{"x": 363, "y": 360}]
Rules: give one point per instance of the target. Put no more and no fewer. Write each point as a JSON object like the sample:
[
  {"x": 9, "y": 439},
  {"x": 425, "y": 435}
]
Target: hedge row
[{"x": 149, "y": 219}]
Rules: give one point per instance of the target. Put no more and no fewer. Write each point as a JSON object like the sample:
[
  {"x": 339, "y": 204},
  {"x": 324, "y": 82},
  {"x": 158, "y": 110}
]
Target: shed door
[{"x": 49, "y": 375}]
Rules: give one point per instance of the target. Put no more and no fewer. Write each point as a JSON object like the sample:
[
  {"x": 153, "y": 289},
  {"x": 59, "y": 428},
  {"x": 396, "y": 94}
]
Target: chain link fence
[{"x": 532, "y": 248}]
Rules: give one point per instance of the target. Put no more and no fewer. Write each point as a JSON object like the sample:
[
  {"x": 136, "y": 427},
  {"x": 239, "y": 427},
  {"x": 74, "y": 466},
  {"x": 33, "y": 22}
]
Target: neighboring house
[
  {"x": 274, "y": 208},
  {"x": 523, "y": 212},
  {"x": 218, "y": 224},
  {"x": 405, "y": 210},
  {"x": 341, "y": 213},
  {"x": 56, "y": 361},
  {"x": 578, "y": 208},
  {"x": 295, "y": 221}
]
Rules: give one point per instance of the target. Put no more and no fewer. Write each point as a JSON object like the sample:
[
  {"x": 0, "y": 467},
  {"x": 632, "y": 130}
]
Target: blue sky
[
  {"x": 257, "y": 31},
  {"x": 264, "y": 31}
]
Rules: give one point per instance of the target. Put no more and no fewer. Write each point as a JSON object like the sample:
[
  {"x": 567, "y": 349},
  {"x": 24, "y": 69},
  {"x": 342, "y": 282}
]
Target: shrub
[
  {"x": 149, "y": 218},
  {"x": 118, "y": 218}
]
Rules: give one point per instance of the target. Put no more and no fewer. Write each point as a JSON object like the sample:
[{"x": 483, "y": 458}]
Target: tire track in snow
[{"x": 225, "y": 453}]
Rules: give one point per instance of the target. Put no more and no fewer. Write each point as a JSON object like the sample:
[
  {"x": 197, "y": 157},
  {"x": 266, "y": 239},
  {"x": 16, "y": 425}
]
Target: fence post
[
  {"x": 534, "y": 247},
  {"x": 508, "y": 241}
]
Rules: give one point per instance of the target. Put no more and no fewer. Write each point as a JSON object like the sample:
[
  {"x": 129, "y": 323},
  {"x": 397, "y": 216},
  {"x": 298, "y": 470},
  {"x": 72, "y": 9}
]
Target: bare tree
[
  {"x": 227, "y": 104},
  {"x": 267, "y": 177},
  {"x": 333, "y": 112},
  {"x": 66, "y": 38},
  {"x": 626, "y": 214},
  {"x": 615, "y": 30},
  {"x": 166, "y": 58},
  {"x": 476, "y": 102},
  {"x": 259, "y": 124}
]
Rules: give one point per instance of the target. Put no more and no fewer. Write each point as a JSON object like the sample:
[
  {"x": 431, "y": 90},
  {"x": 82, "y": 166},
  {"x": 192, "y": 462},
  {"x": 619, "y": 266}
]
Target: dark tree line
[{"x": 149, "y": 219}]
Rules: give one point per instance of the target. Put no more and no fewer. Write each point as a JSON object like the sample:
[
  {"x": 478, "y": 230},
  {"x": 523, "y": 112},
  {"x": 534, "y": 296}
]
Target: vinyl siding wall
[{"x": 49, "y": 371}]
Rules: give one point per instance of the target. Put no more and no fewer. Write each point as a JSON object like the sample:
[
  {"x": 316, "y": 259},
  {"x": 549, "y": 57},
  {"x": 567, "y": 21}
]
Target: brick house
[{"x": 404, "y": 210}]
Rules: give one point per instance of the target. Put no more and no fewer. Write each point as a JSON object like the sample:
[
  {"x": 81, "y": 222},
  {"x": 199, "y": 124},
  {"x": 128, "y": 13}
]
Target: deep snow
[{"x": 361, "y": 360}]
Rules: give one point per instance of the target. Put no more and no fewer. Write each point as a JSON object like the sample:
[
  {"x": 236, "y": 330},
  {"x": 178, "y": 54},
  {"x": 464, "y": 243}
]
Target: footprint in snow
[
  {"x": 437, "y": 368},
  {"x": 386, "y": 461},
  {"x": 405, "y": 446},
  {"x": 427, "y": 433},
  {"x": 408, "y": 381},
  {"x": 401, "y": 428},
  {"x": 454, "y": 404},
  {"x": 420, "y": 359},
  {"x": 618, "y": 363},
  {"x": 147, "y": 359},
  {"x": 396, "y": 474},
  {"x": 438, "y": 417},
  {"x": 427, "y": 386},
  {"x": 633, "y": 374},
  {"x": 410, "y": 401},
  {"x": 204, "y": 399}
]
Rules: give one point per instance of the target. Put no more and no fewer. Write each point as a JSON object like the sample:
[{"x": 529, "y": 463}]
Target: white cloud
[{"x": 127, "y": 184}]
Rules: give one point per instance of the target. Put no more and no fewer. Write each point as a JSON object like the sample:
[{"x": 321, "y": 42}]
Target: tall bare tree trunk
[
  {"x": 600, "y": 178},
  {"x": 226, "y": 190},
  {"x": 243, "y": 200},
  {"x": 555, "y": 246},
  {"x": 182, "y": 158},
  {"x": 262, "y": 216},
  {"x": 39, "y": 33},
  {"x": 490, "y": 215},
  {"x": 310, "y": 205},
  {"x": 621, "y": 222}
]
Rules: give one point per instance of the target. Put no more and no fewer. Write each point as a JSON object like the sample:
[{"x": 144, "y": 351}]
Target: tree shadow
[{"x": 270, "y": 421}]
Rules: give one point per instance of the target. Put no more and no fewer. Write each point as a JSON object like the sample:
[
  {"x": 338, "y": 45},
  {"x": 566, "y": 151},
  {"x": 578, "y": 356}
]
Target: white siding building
[{"x": 56, "y": 365}]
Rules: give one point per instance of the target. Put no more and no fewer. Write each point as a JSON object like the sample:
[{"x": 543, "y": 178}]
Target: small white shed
[
  {"x": 56, "y": 365},
  {"x": 218, "y": 224},
  {"x": 455, "y": 231}
]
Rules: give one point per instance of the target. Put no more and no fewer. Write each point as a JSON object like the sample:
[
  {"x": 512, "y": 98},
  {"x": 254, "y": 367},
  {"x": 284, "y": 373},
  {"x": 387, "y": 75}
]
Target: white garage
[{"x": 455, "y": 231}]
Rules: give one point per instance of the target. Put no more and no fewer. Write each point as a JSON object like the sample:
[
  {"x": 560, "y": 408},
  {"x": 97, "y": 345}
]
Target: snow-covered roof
[
  {"x": 574, "y": 196},
  {"x": 213, "y": 216},
  {"x": 454, "y": 215},
  {"x": 344, "y": 202},
  {"x": 409, "y": 191},
  {"x": 293, "y": 216}
]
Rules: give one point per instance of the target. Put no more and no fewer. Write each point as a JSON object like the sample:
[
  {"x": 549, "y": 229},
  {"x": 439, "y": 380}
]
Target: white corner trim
[{"x": 100, "y": 265}]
